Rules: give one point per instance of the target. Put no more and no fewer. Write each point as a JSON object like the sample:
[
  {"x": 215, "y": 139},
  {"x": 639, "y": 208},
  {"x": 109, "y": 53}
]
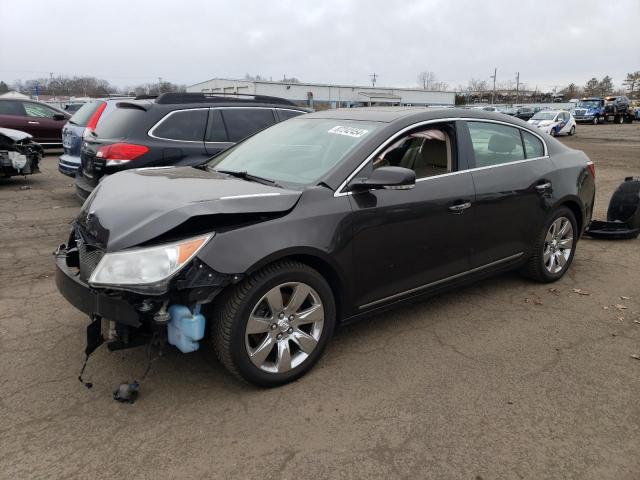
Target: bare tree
[{"x": 426, "y": 80}]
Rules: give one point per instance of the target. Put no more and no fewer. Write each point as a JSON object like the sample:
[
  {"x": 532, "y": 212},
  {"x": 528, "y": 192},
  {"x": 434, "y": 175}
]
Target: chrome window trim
[
  {"x": 159, "y": 122},
  {"x": 442, "y": 280},
  {"x": 340, "y": 193},
  {"x": 163, "y": 119}
]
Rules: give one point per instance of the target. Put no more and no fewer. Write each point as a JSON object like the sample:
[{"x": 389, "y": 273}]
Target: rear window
[
  {"x": 187, "y": 125},
  {"x": 120, "y": 122},
  {"x": 84, "y": 113},
  {"x": 243, "y": 122}
]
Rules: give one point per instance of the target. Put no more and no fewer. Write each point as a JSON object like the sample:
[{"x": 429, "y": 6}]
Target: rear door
[
  {"x": 181, "y": 134},
  {"x": 511, "y": 175},
  {"x": 12, "y": 115}
]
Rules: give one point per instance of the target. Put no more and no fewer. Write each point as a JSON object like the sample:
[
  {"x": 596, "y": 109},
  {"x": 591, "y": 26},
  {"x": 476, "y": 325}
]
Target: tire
[
  {"x": 272, "y": 353},
  {"x": 596, "y": 120},
  {"x": 572, "y": 131},
  {"x": 619, "y": 119},
  {"x": 552, "y": 132},
  {"x": 538, "y": 266}
]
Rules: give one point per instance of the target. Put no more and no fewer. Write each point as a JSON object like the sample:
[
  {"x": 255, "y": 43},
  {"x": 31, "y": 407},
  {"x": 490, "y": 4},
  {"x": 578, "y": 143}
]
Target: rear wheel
[
  {"x": 572, "y": 131},
  {"x": 554, "y": 248},
  {"x": 619, "y": 119},
  {"x": 272, "y": 328}
]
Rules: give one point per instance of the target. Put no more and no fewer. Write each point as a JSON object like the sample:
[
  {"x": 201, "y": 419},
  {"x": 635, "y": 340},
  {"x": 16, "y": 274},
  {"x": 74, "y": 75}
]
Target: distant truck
[{"x": 604, "y": 109}]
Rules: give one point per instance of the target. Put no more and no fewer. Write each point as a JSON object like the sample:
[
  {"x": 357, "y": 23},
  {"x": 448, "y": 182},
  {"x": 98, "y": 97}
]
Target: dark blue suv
[{"x": 173, "y": 129}]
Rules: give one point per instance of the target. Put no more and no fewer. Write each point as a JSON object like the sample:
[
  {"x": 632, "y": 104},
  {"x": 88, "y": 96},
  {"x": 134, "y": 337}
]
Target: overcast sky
[{"x": 331, "y": 41}]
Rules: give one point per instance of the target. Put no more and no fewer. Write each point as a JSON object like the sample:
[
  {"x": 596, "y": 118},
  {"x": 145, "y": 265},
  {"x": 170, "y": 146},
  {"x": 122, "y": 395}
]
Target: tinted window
[
  {"x": 119, "y": 123},
  {"x": 11, "y": 108},
  {"x": 84, "y": 114},
  {"x": 37, "y": 110},
  {"x": 187, "y": 125},
  {"x": 286, "y": 114},
  {"x": 215, "y": 127},
  {"x": 494, "y": 144},
  {"x": 242, "y": 122},
  {"x": 532, "y": 145}
]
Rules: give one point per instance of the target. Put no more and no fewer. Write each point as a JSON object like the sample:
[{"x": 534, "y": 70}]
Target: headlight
[{"x": 146, "y": 266}]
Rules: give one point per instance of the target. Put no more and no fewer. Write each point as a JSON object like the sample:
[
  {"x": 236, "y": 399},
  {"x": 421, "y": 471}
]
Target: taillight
[
  {"x": 592, "y": 169},
  {"x": 119, "y": 153},
  {"x": 93, "y": 121}
]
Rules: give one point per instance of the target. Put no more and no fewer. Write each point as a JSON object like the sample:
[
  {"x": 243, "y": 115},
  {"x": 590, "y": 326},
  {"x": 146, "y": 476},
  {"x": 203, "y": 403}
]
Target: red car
[{"x": 42, "y": 121}]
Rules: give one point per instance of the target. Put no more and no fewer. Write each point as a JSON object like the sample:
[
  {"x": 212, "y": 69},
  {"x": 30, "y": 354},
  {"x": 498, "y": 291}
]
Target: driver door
[{"x": 407, "y": 241}]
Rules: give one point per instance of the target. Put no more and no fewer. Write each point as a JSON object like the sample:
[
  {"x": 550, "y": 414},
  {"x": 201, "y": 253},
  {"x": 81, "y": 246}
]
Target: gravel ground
[{"x": 505, "y": 379}]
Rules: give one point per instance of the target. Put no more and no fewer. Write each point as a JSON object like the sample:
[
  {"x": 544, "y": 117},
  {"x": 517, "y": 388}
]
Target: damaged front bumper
[
  {"x": 132, "y": 319},
  {"x": 89, "y": 300}
]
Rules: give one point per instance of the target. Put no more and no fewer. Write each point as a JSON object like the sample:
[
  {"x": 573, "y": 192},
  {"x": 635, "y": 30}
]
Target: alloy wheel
[
  {"x": 284, "y": 327},
  {"x": 558, "y": 245}
]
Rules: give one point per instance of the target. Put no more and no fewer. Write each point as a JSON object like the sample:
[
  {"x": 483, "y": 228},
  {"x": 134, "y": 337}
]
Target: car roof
[
  {"x": 392, "y": 114},
  {"x": 148, "y": 103}
]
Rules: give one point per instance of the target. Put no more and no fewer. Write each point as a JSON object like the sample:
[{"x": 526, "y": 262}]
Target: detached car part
[
  {"x": 623, "y": 215},
  {"x": 19, "y": 154}
]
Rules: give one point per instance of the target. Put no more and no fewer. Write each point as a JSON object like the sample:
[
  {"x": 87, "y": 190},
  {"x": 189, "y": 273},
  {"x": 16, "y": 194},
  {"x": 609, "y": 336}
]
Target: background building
[{"x": 322, "y": 96}]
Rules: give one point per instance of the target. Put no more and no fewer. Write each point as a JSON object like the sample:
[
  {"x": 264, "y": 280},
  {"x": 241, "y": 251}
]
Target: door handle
[
  {"x": 458, "y": 208},
  {"x": 33, "y": 123},
  {"x": 543, "y": 187}
]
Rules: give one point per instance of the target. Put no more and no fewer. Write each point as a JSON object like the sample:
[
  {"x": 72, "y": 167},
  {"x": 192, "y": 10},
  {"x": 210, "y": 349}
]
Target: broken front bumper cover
[{"x": 89, "y": 300}]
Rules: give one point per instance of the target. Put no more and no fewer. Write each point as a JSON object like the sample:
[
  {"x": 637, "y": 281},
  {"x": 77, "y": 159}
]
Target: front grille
[
  {"x": 580, "y": 111},
  {"x": 89, "y": 257}
]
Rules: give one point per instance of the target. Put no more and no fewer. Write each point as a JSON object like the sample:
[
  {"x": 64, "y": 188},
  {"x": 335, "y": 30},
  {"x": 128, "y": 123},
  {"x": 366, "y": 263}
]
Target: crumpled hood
[
  {"x": 15, "y": 135},
  {"x": 136, "y": 206}
]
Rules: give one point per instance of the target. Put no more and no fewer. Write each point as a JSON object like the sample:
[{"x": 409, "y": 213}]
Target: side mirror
[
  {"x": 59, "y": 116},
  {"x": 391, "y": 178}
]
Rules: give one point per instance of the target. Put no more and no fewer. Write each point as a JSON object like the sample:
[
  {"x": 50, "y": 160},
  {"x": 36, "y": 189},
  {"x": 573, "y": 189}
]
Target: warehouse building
[{"x": 323, "y": 96}]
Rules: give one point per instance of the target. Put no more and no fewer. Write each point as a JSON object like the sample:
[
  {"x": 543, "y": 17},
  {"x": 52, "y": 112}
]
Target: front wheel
[
  {"x": 554, "y": 248},
  {"x": 572, "y": 131},
  {"x": 272, "y": 327},
  {"x": 596, "y": 120}
]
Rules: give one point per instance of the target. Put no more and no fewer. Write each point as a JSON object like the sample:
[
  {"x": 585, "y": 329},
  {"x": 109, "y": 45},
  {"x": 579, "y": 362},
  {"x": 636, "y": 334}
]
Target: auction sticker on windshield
[{"x": 348, "y": 131}]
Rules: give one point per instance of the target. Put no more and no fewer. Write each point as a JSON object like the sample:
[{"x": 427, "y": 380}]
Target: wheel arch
[
  {"x": 574, "y": 205},
  {"x": 321, "y": 263}
]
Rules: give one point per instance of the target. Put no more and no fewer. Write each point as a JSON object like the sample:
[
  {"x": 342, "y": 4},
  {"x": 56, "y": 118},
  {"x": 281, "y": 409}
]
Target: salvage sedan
[{"x": 319, "y": 221}]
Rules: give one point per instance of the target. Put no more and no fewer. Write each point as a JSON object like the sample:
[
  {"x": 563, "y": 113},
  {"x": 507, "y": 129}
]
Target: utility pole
[
  {"x": 493, "y": 95},
  {"x": 517, "y": 85},
  {"x": 373, "y": 79},
  {"x": 51, "y": 83},
  {"x": 159, "y": 85}
]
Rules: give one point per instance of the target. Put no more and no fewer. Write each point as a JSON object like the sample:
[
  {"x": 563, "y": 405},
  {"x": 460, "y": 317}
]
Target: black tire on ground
[
  {"x": 572, "y": 131},
  {"x": 535, "y": 268},
  {"x": 231, "y": 315},
  {"x": 596, "y": 120}
]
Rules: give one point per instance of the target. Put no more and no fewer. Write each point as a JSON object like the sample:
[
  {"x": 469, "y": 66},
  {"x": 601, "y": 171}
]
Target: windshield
[
  {"x": 544, "y": 116},
  {"x": 589, "y": 103},
  {"x": 298, "y": 151}
]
